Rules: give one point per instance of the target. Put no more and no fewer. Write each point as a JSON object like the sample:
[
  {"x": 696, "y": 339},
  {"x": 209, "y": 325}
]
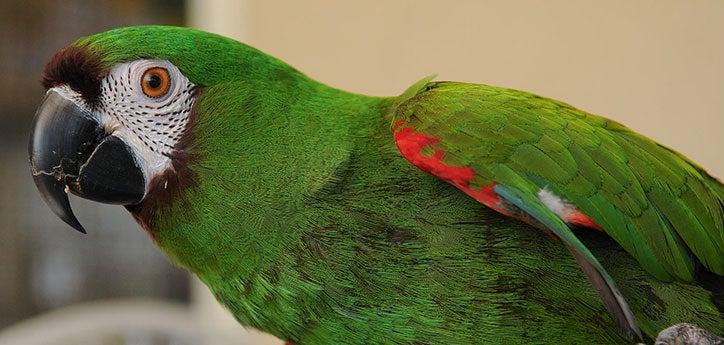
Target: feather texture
[
  {"x": 662, "y": 208},
  {"x": 294, "y": 206}
]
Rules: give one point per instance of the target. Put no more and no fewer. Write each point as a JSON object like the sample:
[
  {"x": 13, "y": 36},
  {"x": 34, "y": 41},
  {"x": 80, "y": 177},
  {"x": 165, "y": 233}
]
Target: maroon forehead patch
[{"x": 77, "y": 67}]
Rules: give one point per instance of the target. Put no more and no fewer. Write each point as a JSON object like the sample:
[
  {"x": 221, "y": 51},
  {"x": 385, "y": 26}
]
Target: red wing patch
[
  {"x": 581, "y": 219},
  {"x": 411, "y": 143}
]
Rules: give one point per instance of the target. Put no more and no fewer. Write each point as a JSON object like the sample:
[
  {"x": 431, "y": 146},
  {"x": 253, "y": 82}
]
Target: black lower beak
[{"x": 71, "y": 152}]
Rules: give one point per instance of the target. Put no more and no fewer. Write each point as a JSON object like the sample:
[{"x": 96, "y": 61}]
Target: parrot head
[{"x": 119, "y": 112}]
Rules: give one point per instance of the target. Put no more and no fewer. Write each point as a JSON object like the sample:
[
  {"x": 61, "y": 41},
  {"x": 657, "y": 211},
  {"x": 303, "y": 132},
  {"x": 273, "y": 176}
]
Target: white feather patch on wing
[{"x": 554, "y": 203}]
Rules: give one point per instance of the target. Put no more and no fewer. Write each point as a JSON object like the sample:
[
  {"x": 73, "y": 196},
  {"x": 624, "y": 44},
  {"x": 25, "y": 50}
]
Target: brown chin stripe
[{"x": 79, "y": 68}]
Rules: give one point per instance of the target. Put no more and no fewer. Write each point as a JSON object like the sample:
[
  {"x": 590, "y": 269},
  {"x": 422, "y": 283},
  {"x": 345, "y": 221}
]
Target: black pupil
[{"x": 154, "y": 81}]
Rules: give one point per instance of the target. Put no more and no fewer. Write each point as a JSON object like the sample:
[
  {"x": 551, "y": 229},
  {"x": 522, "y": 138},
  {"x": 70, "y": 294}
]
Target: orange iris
[{"x": 155, "y": 82}]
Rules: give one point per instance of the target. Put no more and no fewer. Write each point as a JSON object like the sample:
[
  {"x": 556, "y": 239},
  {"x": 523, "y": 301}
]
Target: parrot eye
[{"x": 155, "y": 82}]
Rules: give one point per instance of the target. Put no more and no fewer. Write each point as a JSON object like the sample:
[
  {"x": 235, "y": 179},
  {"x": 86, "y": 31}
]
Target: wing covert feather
[{"x": 660, "y": 207}]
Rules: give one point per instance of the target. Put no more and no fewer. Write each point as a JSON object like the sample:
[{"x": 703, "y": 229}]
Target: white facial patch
[{"x": 150, "y": 126}]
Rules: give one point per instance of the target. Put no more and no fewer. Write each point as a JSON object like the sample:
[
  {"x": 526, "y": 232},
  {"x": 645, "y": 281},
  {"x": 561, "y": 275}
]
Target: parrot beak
[{"x": 70, "y": 151}]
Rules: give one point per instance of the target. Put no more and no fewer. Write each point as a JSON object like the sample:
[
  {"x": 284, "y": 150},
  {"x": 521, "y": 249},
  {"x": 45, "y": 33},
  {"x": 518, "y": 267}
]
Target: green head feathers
[{"x": 205, "y": 58}]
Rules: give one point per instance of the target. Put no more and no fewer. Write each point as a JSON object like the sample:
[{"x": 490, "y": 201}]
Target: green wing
[
  {"x": 659, "y": 206},
  {"x": 526, "y": 203}
]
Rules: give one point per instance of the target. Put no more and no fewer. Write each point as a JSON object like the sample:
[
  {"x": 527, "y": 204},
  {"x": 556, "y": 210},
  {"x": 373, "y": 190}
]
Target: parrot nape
[{"x": 454, "y": 213}]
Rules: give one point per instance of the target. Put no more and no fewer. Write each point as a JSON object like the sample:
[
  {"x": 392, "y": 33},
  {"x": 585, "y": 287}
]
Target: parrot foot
[{"x": 687, "y": 334}]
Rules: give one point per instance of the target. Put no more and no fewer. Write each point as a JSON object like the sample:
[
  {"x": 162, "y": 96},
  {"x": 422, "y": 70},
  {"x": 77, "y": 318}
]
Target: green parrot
[{"x": 454, "y": 213}]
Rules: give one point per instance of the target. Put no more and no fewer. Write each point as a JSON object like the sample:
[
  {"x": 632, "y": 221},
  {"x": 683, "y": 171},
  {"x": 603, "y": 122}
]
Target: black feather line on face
[
  {"x": 168, "y": 187},
  {"x": 80, "y": 69}
]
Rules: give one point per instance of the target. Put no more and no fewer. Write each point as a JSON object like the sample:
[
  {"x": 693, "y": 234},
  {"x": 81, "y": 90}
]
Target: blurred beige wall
[{"x": 656, "y": 66}]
